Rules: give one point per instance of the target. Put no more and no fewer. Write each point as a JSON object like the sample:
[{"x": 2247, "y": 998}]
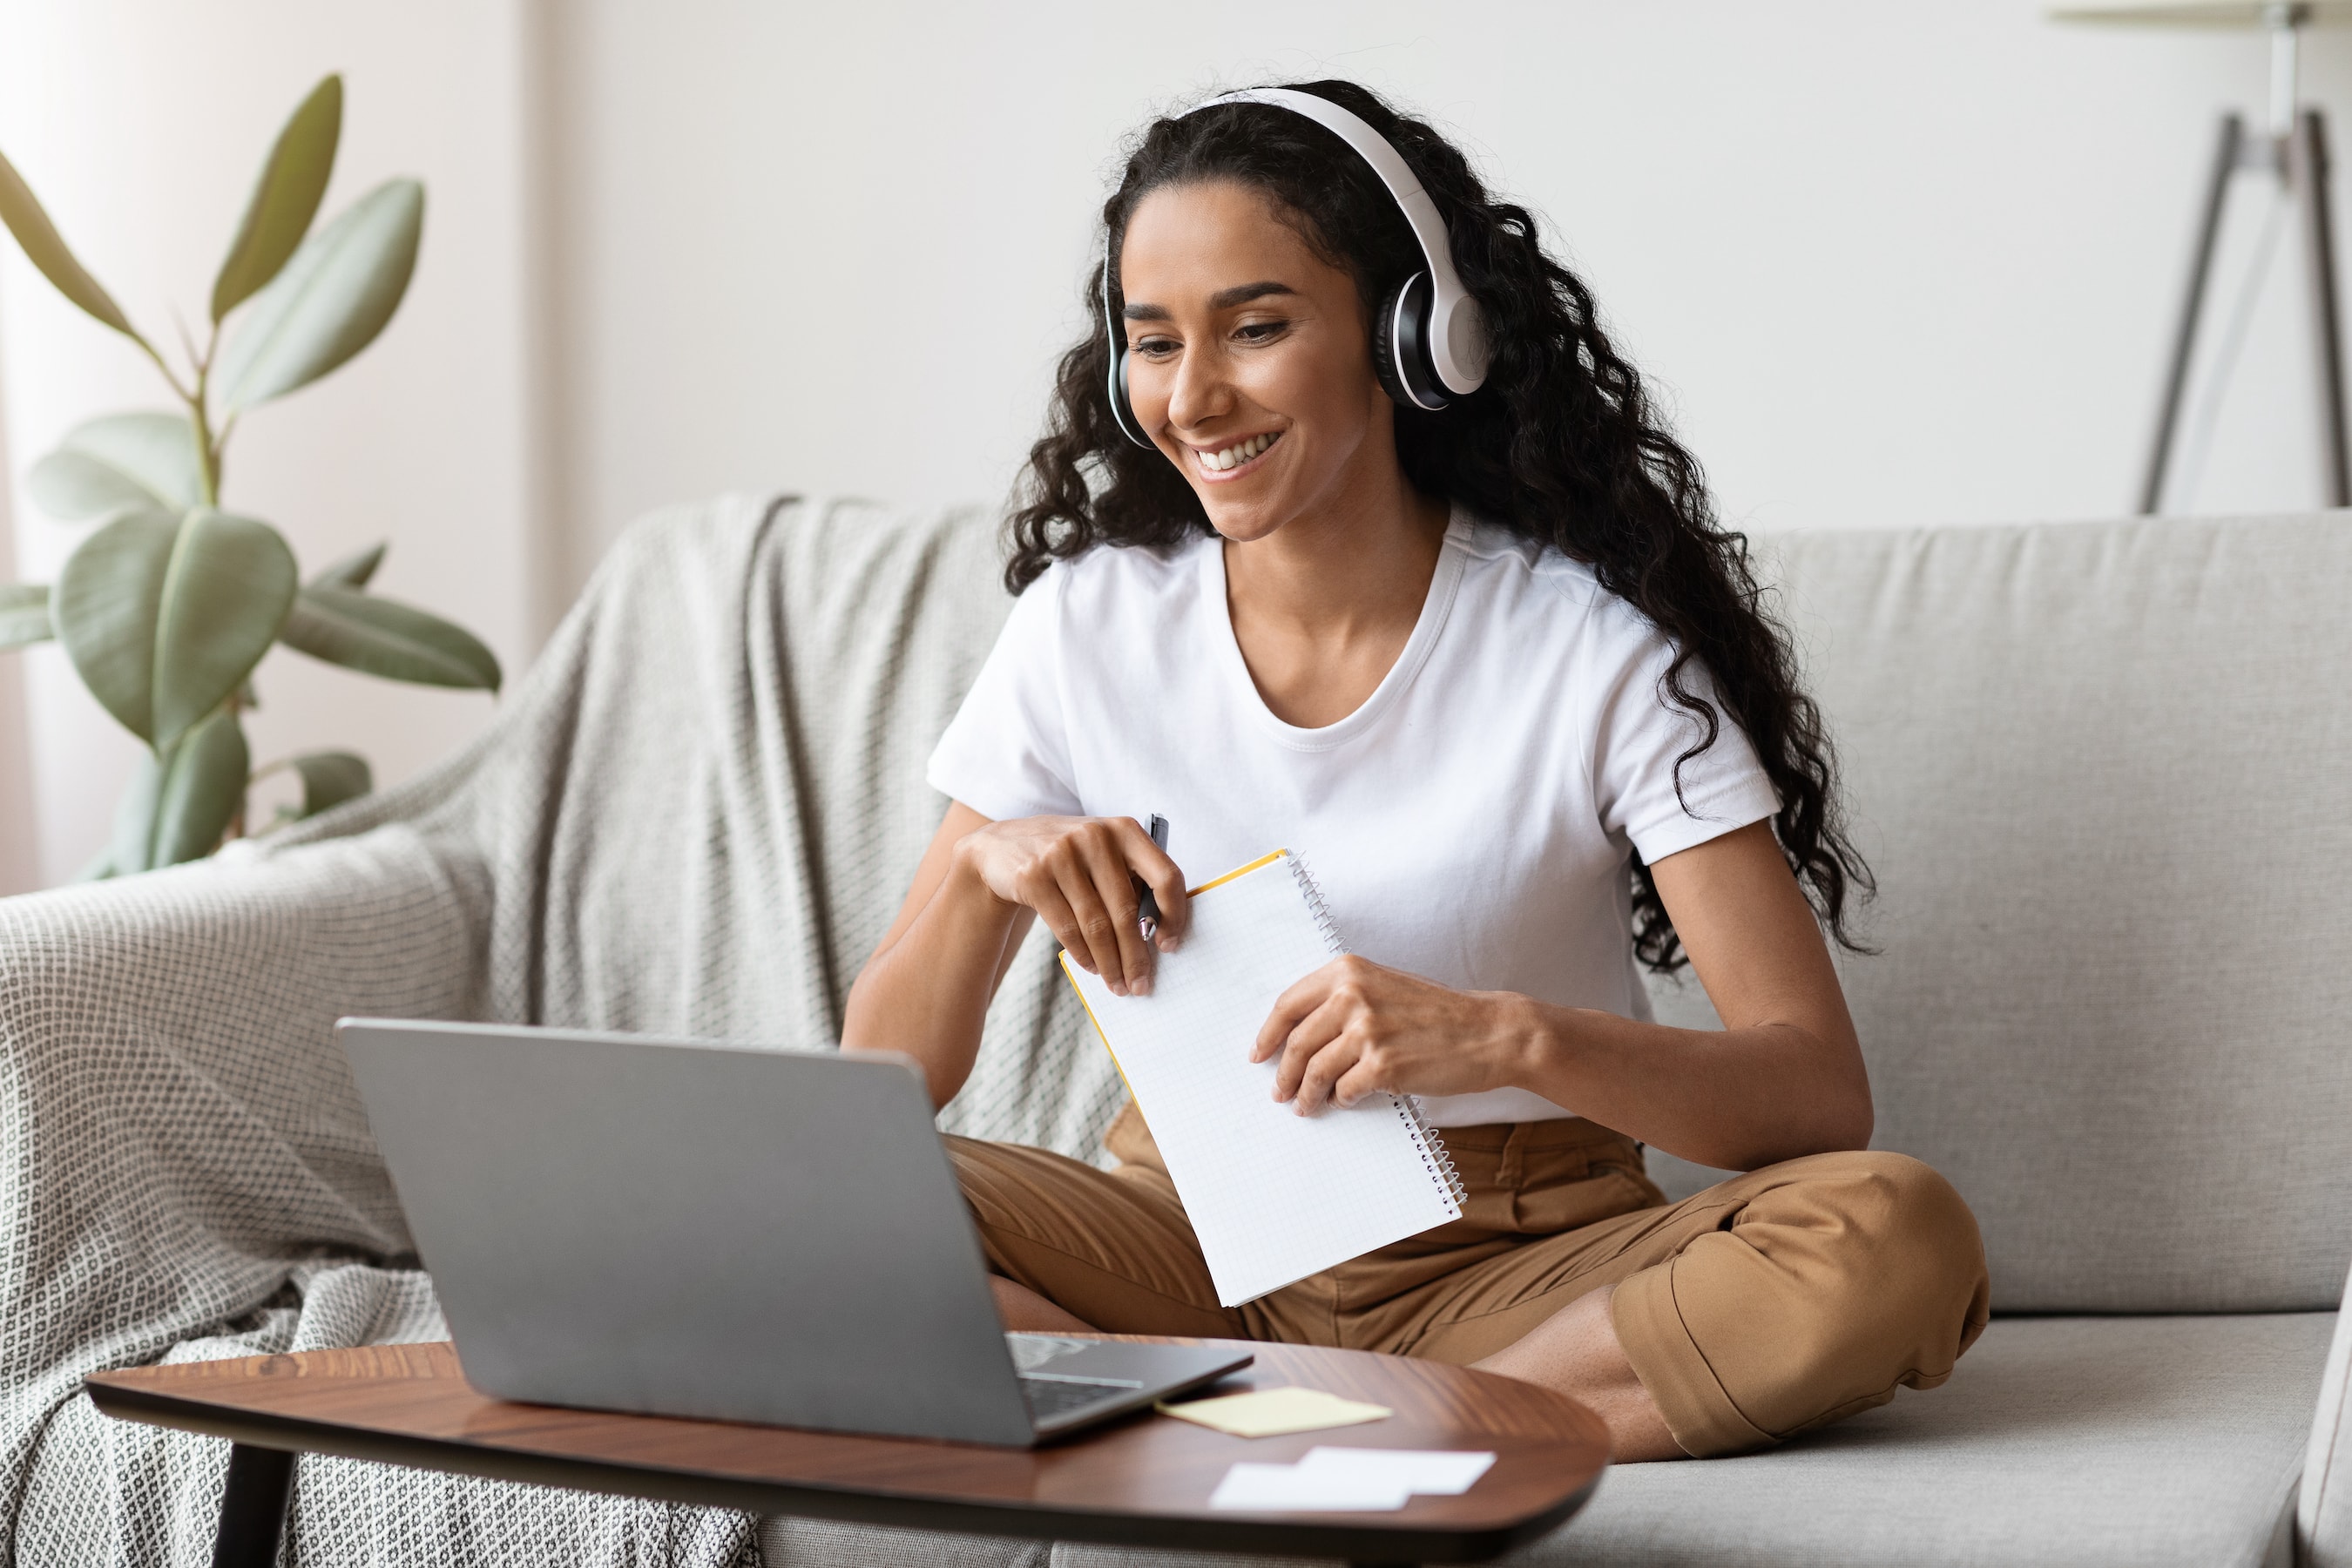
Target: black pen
[{"x": 1149, "y": 910}]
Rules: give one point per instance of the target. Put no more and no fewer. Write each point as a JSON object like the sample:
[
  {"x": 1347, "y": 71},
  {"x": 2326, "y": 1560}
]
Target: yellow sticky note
[{"x": 1271, "y": 1411}]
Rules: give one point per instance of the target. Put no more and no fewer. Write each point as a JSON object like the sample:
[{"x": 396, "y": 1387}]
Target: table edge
[{"x": 1359, "y": 1539}]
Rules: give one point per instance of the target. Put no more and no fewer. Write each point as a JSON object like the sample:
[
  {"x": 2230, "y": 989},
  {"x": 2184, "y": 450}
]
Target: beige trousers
[{"x": 1776, "y": 1301}]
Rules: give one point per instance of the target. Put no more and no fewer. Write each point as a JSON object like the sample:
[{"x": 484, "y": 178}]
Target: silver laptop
[{"x": 683, "y": 1229}]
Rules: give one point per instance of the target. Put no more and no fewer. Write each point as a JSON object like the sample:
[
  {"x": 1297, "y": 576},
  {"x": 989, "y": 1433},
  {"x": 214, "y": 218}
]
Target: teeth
[{"x": 1234, "y": 456}]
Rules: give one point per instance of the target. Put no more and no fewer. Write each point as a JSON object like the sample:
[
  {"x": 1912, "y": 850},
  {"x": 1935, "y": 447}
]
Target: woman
[{"x": 1496, "y": 675}]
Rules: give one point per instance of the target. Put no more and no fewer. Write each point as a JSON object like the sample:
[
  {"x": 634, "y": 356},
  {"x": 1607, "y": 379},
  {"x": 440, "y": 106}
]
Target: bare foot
[
  {"x": 1025, "y": 1312},
  {"x": 1575, "y": 1351}
]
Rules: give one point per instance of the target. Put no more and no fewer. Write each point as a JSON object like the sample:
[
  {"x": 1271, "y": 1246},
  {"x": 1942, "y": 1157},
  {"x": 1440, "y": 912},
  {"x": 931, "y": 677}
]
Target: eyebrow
[
  {"x": 1242, "y": 294},
  {"x": 1222, "y": 299}
]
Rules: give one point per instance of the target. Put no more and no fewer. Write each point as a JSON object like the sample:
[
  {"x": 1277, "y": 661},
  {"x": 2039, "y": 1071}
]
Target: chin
[
  {"x": 1243, "y": 524},
  {"x": 1245, "y": 518}
]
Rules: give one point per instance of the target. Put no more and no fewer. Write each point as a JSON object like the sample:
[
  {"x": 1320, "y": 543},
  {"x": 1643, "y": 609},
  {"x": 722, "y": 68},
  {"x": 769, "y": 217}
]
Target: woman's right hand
[{"x": 1078, "y": 873}]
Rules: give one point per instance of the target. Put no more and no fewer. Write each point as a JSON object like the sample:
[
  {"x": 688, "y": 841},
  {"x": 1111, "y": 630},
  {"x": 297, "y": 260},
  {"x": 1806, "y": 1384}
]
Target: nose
[{"x": 1198, "y": 389}]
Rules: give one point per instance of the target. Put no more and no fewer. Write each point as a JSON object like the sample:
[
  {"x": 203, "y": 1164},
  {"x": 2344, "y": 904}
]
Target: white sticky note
[
  {"x": 1285, "y": 1489},
  {"x": 1437, "y": 1472}
]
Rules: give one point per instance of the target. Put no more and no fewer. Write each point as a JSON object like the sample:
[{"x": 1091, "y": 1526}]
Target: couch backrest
[{"x": 2104, "y": 773}]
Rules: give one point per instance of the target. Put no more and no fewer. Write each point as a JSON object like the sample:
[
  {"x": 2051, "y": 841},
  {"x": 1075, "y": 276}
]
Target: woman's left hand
[{"x": 1354, "y": 1027}]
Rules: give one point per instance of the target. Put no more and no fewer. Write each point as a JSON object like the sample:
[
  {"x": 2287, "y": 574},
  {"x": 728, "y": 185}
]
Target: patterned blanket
[{"x": 695, "y": 816}]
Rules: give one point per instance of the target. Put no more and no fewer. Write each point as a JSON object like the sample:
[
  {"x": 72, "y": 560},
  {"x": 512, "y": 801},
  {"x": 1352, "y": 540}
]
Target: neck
[
  {"x": 1322, "y": 607},
  {"x": 1352, "y": 567}
]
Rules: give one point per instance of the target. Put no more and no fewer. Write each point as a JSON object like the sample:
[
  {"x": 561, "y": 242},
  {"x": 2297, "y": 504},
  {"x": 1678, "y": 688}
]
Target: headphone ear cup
[
  {"x": 1384, "y": 364},
  {"x": 1401, "y": 346}
]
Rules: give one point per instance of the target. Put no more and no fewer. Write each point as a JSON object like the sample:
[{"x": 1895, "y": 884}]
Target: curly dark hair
[{"x": 1561, "y": 445}]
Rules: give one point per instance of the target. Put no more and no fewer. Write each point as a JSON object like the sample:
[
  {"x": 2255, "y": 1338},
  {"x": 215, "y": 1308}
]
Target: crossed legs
[{"x": 1771, "y": 1303}]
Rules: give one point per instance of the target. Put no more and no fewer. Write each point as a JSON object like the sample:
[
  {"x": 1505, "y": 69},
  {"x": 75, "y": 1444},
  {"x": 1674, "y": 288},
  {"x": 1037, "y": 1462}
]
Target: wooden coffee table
[{"x": 1143, "y": 1481}]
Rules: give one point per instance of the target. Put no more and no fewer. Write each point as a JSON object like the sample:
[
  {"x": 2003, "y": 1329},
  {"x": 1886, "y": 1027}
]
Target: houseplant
[{"x": 169, "y": 603}]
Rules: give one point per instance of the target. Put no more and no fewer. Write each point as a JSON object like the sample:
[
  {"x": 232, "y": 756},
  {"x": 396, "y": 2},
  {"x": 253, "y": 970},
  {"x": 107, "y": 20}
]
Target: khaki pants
[{"x": 1776, "y": 1301}]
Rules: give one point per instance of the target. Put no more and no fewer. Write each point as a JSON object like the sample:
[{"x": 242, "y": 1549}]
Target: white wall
[
  {"x": 1895, "y": 262},
  {"x": 140, "y": 123},
  {"x": 20, "y": 854},
  {"x": 1891, "y": 261}
]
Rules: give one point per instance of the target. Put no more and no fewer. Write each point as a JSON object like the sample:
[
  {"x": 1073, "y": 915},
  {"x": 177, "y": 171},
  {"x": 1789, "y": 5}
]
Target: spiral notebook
[{"x": 1274, "y": 1197}]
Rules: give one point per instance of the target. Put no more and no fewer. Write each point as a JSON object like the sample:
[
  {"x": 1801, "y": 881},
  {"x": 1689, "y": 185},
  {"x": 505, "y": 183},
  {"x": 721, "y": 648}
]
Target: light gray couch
[{"x": 2103, "y": 773}]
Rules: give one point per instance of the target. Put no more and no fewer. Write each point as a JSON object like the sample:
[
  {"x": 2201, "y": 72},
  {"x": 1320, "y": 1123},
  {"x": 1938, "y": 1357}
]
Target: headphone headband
[
  {"x": 1458, "y": 342},
  {"x": 1429, "y": 336}
]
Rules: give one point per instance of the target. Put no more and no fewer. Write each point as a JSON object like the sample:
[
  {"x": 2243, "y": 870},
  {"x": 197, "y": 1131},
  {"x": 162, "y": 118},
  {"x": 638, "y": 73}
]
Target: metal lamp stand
[{"x": 2296, "y": 151}]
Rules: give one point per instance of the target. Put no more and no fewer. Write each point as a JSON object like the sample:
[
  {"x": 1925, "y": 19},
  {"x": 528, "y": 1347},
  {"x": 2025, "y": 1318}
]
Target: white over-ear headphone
[{"x": 1429, "y": 336}]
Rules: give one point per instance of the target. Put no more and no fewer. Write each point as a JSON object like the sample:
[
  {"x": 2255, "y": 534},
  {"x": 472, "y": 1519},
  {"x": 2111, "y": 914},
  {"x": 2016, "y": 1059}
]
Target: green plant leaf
[
  {"x": 180, "y": 800},
  {"x": 105, "y": 607},
  {"x": 331, "y": 300},
  {"x": 164, "y": 617},
  {"x": 204, "y": 784},
  {"x": 24, "y": 615},
  {"x": 119, "y": 462},
  {"x": 46, "y": 250},
  {"x": 72, "y": 486},
  {"x": 285, "y": 199},
  {"x": 133, "y": 843},
  {"x": 330, "y": 778},
  {"x": 230, "y": 584},
  {"x": 384, "y": 637},
  {"x": 352, "y": 571}
]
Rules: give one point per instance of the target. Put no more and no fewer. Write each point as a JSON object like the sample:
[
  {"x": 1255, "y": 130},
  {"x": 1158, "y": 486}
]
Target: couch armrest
[
  {"x": 2324, "y": 1511},
  {"x": 177, "y": 1128}
]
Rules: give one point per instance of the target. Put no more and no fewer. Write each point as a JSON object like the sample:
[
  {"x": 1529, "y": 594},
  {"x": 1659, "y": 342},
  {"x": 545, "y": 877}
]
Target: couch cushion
[
  {"x": 2103, "y": 772},
  {"x": 787, "y": 1542},
  {"x": 2140, "y": 1442}
]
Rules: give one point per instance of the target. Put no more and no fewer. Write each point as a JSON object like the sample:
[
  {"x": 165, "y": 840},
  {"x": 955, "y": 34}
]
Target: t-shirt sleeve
[
  {"x": 1638, "y": 735},
  {"x": 1006, "y": 752}
]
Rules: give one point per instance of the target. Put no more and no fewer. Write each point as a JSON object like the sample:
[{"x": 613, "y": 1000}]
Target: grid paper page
[{"x": 1274, "y": 1197}]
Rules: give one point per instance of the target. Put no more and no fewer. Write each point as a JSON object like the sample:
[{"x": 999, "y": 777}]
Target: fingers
[
  {"x": 1055, "y": 910},
  {"x": 1057, "y": 886},
  {"x": 1079, "y": 875},
  {"x": 1101, "y": 855},
  {"x": 1324, "y": 1069},
  {"x": 1363, "y": 1079},
  {"x": 1327, "y": 1028},
  {"x": 1307, "y": 1040},
  {"x": 1160, "y": 873},
  {"x": 1097, "y": 931},
  {"x": 1290, "y": 1010}
]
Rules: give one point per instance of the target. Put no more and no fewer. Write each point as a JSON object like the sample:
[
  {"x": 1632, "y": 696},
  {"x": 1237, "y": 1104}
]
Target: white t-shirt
[{"x": 1472, "y": 822}]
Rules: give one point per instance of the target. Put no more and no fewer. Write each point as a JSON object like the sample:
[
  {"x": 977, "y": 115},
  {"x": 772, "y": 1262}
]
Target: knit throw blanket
[{"x": 695, "y": 816}]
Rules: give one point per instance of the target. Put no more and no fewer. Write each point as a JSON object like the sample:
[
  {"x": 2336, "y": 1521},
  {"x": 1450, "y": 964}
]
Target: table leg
[{"x": 253, "y": 1508}]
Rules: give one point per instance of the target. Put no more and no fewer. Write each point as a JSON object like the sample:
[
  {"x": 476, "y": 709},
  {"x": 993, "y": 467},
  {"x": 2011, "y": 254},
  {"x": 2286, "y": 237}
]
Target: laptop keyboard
[{"x": 1050, "y": 1397}]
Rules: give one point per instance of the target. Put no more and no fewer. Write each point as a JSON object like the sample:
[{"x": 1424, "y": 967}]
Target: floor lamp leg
[
  {"x": 2184, "y": 342},
  {"x": 2307, "y": 168}
]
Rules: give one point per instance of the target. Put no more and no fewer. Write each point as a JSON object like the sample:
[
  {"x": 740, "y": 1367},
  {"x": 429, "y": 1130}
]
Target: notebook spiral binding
[
  {"x": 1434, "y": 1156},
  {"x": 1323, "y": 921},
  {"x": 1425, "y": 1138}
]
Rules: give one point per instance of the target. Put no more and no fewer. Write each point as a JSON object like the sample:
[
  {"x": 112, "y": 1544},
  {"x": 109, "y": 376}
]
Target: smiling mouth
[{"x": 1226, "y": 461}]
